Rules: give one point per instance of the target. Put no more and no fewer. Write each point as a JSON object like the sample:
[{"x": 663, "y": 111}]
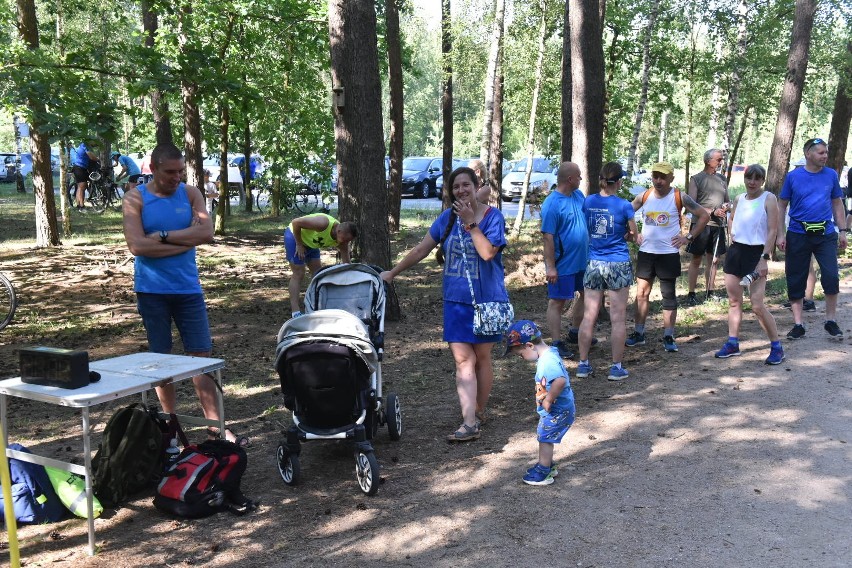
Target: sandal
[
  {"x": 241, "y": 441},
  {"x": 464, "y": 434},
  {"x": 481, "y": 418}
]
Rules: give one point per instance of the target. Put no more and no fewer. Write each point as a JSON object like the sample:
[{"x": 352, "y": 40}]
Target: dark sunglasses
[{"x": 814, "y": 142}]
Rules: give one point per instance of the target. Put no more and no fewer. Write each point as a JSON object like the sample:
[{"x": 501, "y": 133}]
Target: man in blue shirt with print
[
  {"x": 817, "y": 227},
  {"x": 83, "y": 160},
  {"x": 566, "y": 252}
]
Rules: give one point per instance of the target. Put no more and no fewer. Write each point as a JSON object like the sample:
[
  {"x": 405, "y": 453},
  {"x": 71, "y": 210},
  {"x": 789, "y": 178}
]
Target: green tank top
[{"x": 318, "y": 239}]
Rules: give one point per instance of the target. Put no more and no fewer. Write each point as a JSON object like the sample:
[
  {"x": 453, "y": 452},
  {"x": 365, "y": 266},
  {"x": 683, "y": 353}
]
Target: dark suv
[{"x": 419, "y": 175}]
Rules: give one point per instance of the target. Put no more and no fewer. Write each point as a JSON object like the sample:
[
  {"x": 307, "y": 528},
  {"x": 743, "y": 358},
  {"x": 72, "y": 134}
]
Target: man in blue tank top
[{"x": 164, "y": 220}]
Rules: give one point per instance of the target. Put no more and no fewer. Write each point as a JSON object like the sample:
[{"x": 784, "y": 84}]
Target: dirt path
[{"x": 692, "y": 461}]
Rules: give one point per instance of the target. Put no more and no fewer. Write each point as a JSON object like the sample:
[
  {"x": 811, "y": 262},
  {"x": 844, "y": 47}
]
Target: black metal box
[{"x": 54, "y": 367}]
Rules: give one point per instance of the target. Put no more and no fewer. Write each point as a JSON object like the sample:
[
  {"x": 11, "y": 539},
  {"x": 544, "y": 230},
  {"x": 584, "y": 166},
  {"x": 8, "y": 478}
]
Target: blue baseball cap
[{"x": 520, "y": 333}]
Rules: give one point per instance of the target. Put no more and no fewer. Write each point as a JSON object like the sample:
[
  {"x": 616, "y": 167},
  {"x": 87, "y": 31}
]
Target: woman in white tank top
[{"x": 754, "y": 226}]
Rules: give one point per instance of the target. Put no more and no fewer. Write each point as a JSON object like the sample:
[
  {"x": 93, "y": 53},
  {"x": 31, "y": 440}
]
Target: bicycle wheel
[
  {"x": 306, "y": 202},
  {"x": 8, "y": 301}
]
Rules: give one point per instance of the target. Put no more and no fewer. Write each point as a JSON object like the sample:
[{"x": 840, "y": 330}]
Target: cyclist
[
  {"x": 83, "y": 160},
  {"x": 128, "y": 168}
]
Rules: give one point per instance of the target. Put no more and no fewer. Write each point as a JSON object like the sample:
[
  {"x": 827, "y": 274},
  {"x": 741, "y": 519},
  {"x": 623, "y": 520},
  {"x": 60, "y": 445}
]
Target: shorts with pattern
[
  {"x": 553, "y": 426},
  {"x": 605, "y": 275}
]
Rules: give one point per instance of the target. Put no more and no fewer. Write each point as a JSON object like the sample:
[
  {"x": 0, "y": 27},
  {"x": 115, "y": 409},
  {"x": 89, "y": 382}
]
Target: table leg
[
  {"x": 87, "y": 456},
  {"x": 220, "y": 400},
  {"x": 3, "y": 421}
]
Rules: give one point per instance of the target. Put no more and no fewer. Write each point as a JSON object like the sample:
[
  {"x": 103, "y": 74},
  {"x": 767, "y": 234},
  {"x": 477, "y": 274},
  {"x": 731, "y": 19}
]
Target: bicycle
[
  {"x": 306, "y": 199},
  {"x": 102, "y": 191},
  {"x": 8, "y": 301}
]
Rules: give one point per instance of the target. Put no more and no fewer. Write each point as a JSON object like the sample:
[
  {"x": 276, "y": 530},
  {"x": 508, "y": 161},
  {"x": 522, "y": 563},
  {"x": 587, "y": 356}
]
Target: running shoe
[
  {"x": 692, "y": 299},
  {"x": 807, "y": 305},
  {"x": 669, "y": 344},
  {"x": 564, "y": 352},
  {"x": 617, "y": 373},
  {"x": 574, "y": 339},
  {"x": 728, "y": 350},
  {"x": 797, "y": 332},
  {"x": 776, "y": 355},
  {"x": 554, "y": 472},
  {"x": 832, "y": 329},
  {"x": 635, "y": 339},
  {"x": 584, "y": 370},
  {"x": 539, "y": 475}
]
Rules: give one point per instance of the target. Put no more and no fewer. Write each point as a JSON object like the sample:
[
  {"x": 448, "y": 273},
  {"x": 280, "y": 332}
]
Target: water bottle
[
  {"x": 172, "y": 453},
  {"x": 749, "y": 278}
]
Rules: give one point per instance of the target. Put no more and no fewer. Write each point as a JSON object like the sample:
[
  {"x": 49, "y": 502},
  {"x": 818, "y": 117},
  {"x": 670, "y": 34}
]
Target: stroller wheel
[
  {"x": 367, "y": 472},
  {"x": 393, "y": 416},
  {"x": 288, "y": 466}
]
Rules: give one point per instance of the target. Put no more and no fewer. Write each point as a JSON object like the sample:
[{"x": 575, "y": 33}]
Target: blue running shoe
[
  {"x": 574, "y": 338},
  {"x": 584, "y": 370},
  {"x": 728, "y": 350},
  {"x": 776, "y": 356},
  {"x": 669, "y": 344},
  {"x": 635, "y": 339},
  {"x": 554, "y": 472},
  {"x": 539, "y": 475},
  {"x": 617, "y": 373}
]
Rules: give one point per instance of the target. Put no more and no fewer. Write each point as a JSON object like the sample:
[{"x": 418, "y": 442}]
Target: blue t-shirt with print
[
  {"x": 128, "y": 164},
  {"x": 562, "y": 216},
  {"x": 810, "y": 196},
  {"x": 80, "y": 156},
  {"x": 607, "y": 219},
  {"x": 488, "y": 277},
  {"x": 549, "y": 368}
]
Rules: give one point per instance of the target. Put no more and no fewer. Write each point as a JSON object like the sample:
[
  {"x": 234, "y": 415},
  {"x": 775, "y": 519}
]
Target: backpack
[
  {"x": 204, "y": 480},
  {"x": 130, "y": 457},
  {"x": 33, "y": 498},
  {"x": 678, "y": 201}
]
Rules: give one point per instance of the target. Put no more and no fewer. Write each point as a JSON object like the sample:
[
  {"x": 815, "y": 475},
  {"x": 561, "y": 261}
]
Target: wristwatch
[
  {"x": 471, "y": 226},
  {"x": 164, "y": 235},
  {"x": 765, "y": 256},
  {"x": 689, "y": 237}
]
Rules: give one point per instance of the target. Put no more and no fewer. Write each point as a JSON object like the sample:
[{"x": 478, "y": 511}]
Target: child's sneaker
[
  {"x": 617, "y": 373},
  {"x": 776, "y": 356},
  {"x": 584, "y": 370},
  {"x": 539, "y": 475},
  {"x": 554, "y": 471},
  {"x": 635, "y": 339},
  {"x": 728, "y": 350},
  {"x": 669, "y": 344}
]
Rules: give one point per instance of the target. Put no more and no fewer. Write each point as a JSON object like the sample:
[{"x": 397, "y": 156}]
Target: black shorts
[
  {"x": 706, "y": 241},
  {"x": 662, "y": 266},
  {"x": 81, "y": 175},
  {"x": 742, "y": 259},
  {"x": 134, "y": 178}
]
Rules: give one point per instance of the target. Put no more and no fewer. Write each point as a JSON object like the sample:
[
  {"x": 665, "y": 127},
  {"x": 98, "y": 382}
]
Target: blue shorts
[
  {"x": 458, "y": 325},
  {"x": 553, "y": 426},
  {"x": 566, "y": 286},
  {"x": 290, "y": 248},
  {"x": 189, "y": 313}
]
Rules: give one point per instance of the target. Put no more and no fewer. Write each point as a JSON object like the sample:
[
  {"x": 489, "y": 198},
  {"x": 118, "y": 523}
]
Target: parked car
[
  {"x": 419, "y": 176},
  {"x": 235, "y": 180},
  {"x": 439, "y": 181},
  {"x": 542, "y": 178}
]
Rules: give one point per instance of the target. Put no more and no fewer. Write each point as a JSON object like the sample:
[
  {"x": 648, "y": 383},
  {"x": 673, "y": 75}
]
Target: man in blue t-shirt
[
  {"x": 83, "y": 160},
  {"x": 566, "y": 253},
  {"x": 817, "y": 227},
  {"x": 128, "y": 168}
]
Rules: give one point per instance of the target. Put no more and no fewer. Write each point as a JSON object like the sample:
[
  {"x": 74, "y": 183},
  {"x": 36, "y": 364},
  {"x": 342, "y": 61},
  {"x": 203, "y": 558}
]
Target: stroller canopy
[{"x": 355, "y": 288}]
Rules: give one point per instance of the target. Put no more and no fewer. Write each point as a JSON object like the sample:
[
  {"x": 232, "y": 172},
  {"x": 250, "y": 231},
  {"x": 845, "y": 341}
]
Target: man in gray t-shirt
[{"x": 711, "y": 192}]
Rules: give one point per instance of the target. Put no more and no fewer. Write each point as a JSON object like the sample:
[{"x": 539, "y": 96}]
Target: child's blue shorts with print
[{"x": 553, "y": 426}]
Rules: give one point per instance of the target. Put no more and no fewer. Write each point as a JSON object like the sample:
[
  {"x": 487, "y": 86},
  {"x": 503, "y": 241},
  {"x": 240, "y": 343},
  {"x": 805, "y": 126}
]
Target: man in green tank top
[{"x": 304, "y": 238}]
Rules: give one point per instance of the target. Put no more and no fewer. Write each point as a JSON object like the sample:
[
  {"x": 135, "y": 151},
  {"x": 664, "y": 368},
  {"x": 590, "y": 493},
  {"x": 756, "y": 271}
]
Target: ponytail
[{"x": 439, "y": 254}]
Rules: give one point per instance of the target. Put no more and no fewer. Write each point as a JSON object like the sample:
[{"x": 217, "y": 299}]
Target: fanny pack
[{"x": 814, "y": 228}]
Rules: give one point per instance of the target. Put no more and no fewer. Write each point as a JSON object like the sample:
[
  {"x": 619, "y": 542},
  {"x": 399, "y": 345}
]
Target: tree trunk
[
  {"x": 359, "y": 139},
  {"x": 490, "y": 75},
  {"x": 447, "y": 97},
  {"x": 643, "y": 96},
  {"x": 664, "y": 126},
  {"x": 567, "y": 120},
  {"x": 247, "y": 160},
  {"x": 159, "y": 104},
  {"x": 587, "y": 91},
  {"x": 47, "y": 233},
  {"x": 495, "y": 173},
  {"x": 224, "y": 198},
  {"x": 791, "y": 95},
  {"x": 733, "y": 156},
  {"x": 842, "y": 115},
  {"x": 539, "y": 64},
  {"x": 690, "y": 98},
  {"x": 714, "y": 98},
  {"x": 191, "y": 114},
  {"x": 734, "y": 88},
  {"x": 395, "y": 110},
  {"x": 612, "y": 64}
]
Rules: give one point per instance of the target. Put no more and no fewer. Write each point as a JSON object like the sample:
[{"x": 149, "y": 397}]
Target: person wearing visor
[
  {"x": 817, "y": 227},
  {"x": 128, "y": 168}
]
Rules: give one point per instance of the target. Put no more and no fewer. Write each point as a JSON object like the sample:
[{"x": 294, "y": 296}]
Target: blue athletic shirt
[
  {"x": 562, "y": 216},
  {"x": 176, "y": 274},
  {"x": 128, "y": 164},
  {"x": 810, "y": 196},
  {"x": 549, "y": 368},
  {"x": 607, "y": 218},
  {"x": 488, "y": 277},
  {"x": 80, "y": 156}
]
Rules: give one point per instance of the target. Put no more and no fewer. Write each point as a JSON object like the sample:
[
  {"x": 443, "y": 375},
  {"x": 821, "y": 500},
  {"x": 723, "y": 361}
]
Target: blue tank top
[{"x": 176, "y": 274}]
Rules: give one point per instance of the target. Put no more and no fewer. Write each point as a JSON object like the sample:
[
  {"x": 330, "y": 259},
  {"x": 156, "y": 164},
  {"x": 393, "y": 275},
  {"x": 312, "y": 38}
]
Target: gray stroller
[{"x": 329, "y": 364}]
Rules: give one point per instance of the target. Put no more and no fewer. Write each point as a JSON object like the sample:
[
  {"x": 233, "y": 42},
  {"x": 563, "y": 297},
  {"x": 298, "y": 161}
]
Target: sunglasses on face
[{"x": 814, "y": 142}]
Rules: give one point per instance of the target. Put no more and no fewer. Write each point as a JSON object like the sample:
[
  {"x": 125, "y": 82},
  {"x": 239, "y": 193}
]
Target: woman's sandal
[
  {"x": 241, "y": 441},
  {"x": 464, "y": 434}
]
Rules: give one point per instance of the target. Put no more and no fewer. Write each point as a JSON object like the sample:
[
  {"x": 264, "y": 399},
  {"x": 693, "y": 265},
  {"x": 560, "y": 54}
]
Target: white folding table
[{"x": 120, "y": 377}]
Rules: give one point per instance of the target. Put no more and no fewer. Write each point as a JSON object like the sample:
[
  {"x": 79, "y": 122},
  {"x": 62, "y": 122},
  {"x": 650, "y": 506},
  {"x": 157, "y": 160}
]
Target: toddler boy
[{"x": 553, "y": 396}]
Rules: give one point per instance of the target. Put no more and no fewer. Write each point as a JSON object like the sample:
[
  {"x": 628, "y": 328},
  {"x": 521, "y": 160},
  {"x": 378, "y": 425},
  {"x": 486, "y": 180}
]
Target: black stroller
[{"x": 329, "y": 363}]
